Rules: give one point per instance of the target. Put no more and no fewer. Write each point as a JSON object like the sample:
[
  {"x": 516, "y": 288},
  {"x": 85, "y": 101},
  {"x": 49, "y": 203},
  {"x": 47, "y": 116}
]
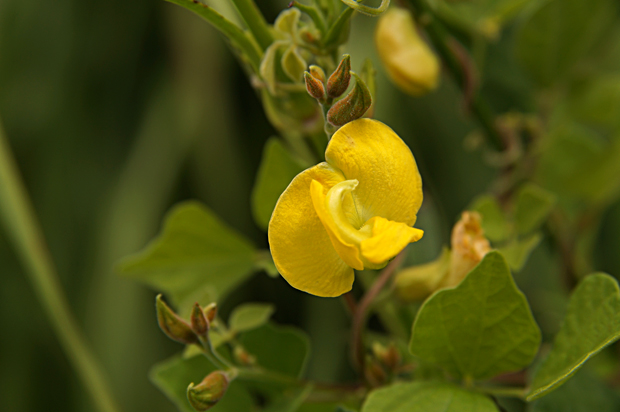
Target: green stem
[
  {"x": 252, "y": 16},
  {"x": 241, "y": 39},
  {"x": 440, "y": 39},
  {"x": 21, "y": 226}
]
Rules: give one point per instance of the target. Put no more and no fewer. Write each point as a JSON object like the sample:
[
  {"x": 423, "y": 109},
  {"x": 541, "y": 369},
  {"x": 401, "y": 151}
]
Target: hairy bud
[
  {"x": 317, "y": 73},
  {"x": 199, "y": 322},
  {"x": 208, "y": 392},
  {"x": 352, "y": 106},
  {"x": 314, "y": 86},
  {"x": 172, "y": 325},
  {"x": 211, "y": 311},
  {"x": 338, "y": 82}
]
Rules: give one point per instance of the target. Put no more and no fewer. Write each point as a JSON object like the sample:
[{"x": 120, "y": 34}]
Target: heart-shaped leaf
[
  {"x": 481, "y": 328},
  {"x": 592, "y": 322}
]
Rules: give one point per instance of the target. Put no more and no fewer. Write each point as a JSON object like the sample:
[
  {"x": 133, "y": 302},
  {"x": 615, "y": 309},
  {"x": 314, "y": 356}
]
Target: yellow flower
[
  {"x": 409, "y": 62},
  {"x": 354, "y": 211}
]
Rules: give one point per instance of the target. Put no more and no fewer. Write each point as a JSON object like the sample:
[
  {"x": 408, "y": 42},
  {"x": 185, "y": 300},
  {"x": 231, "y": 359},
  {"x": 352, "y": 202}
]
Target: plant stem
[
  {"x": 23, "y": 230},
  {"x": 441, "y": 39},
  {"x": 359, "y": 317}
]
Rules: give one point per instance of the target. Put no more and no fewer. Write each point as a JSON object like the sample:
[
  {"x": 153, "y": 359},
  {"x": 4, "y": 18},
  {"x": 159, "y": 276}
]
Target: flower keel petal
[{"x": 387, "y": 240}]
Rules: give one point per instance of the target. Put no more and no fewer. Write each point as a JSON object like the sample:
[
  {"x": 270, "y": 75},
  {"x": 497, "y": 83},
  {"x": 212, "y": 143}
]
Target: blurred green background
[{"x": 117, "y": 110}]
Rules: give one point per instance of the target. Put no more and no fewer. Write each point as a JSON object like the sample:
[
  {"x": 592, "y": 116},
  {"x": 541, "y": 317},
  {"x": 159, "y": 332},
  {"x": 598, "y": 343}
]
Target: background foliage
[{"x": 118, "y": 110}]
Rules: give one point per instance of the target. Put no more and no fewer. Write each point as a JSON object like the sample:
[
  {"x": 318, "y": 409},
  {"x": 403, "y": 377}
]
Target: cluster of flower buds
[
  {"x": 176, "y": 328},
  {"x": 351, "y": 107},
  {"x": 213, "y": 387},
  {"x": 383, "y": 365}
]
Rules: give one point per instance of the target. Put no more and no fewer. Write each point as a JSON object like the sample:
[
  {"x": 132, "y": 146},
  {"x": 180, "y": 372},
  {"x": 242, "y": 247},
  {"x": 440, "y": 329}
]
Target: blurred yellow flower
[
  {"x": 408, "y": 60},
  {"x": 354, "y": 211}
]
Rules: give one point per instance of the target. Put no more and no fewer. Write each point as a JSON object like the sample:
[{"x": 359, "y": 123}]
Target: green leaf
[
  {"x": 481, "y": 328},
  {"x": 494, "y": 223},
  {"x": 533, "y": 206},
  {"x": 196, "y": 257},
  {"x": 577, "y": 162},
  {"x": 597, "y": 103},
  {"x": 277, "y": 348},
  {"x": 583, "y": 393},
  {"x": 172, "y": 377},
  {"x": 277, "y": 169},
  {"x": 426, "y": 397},
  {"x": 250, "y": 316},
  {"x": 559, "y": 33},
  {"x": 592, "y": 322},
  {"x": 517, "y": 251},
  {"x": 486, "y": 17}
]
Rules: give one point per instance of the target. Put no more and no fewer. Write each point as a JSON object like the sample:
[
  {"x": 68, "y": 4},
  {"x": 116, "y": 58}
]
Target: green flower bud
[
  {"x": 199, "y": 322},
  {"x": 317, "y": 73},
  {"x": 374, "y": 373},
  {"x": 314, "y": 86},
  {"x": 390, "y": 357},
  {"x": 172, "y": 325},
  {"x": 352, "y": 106},
  {"x": 208, "y": 392},
  {"x": 338, "y": 82},
  {"x": 211, "y": 311}
]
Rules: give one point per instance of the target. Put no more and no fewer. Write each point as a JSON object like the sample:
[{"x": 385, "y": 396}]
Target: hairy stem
[{"x": 22, "y": 228}]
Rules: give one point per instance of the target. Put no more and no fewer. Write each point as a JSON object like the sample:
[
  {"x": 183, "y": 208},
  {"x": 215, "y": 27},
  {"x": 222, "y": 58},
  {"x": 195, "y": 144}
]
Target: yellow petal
[
  {"x": 343, "y": 235},
  {"x": 301, "y": 248},
  {"x": 389, "y": 182},
  {"x": 409, "y": 61},
  {"x": 387, "y": 240}
]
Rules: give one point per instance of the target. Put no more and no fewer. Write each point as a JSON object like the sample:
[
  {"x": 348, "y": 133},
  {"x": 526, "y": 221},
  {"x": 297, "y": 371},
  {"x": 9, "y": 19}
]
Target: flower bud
[
  {"x": 409, "y": 61},
  {"x": 172, "y": 325},
  {"x": 419, "y": 282},
  {"x": 314, "y": 86},
  {"x": 199, "y": 322},
  {"x": 352, "y": 106},
  {"x": 317, "y": 73},
  {"x": 390, "y": 357},
  {"x": 374, "y": 373},
  {"x": 208, "y": 392},
  {"x": 211, "y": 311},
  {"x": 338, "y": 82},
  {"x": 468, "y": 248}
]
